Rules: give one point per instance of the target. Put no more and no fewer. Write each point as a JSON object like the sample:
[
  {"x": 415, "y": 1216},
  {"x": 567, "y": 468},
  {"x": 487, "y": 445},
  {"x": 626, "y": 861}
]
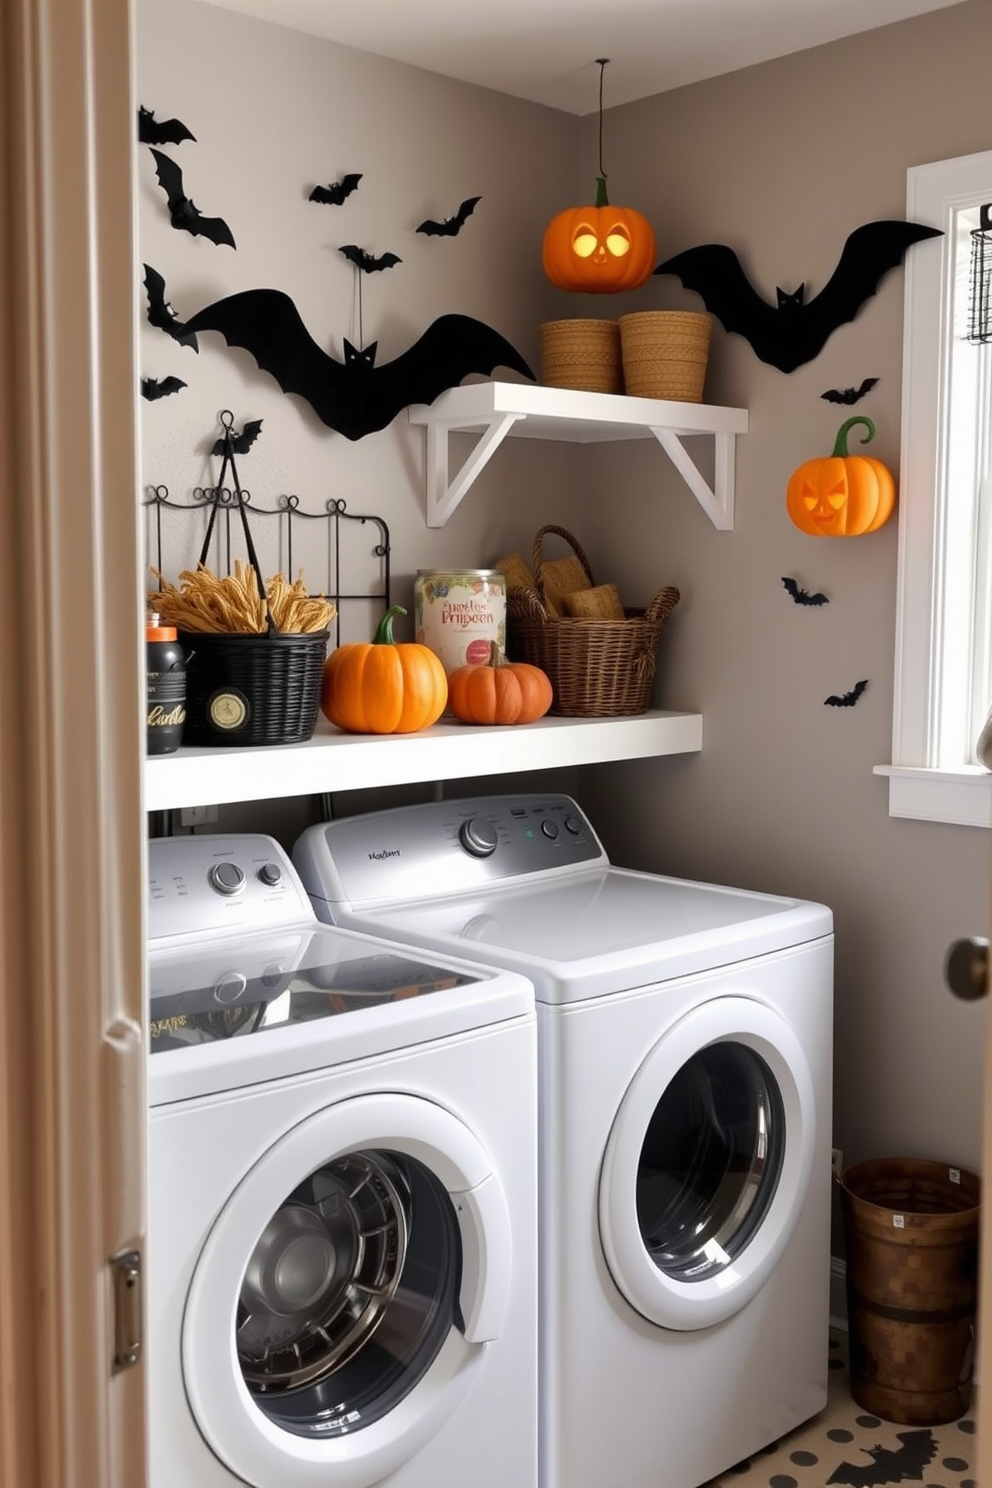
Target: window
[{"x": 943, "y": 671}]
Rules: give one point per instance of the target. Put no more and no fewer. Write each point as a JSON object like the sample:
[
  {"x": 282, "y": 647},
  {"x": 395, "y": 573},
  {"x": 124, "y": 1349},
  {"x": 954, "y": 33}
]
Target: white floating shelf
[
  {"x": 333, "y": 761},
  {"x": 497, "y": 409}
]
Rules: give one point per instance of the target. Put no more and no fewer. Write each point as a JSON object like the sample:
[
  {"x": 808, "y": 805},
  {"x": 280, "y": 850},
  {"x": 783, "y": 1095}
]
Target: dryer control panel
[
  {"x": 214, "y": 884},
  {"x": 445, "y": 847}
]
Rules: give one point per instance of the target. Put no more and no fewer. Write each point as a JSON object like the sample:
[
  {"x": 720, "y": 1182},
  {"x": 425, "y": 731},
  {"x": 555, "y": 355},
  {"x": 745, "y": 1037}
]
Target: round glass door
[{"x": 708, "y": 1163}]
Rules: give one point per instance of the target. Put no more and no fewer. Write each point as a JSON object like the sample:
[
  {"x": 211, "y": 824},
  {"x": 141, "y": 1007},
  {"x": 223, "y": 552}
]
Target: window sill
[{"x": 961, "y": 797}]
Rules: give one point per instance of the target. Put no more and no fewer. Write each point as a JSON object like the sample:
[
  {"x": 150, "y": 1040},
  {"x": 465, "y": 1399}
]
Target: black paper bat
[
  {"x": 792, "y": 332},
  {"x": 161, "y": 314},
  {"x": 846, "y": 699},
  {"x": 334, "y": 195},
  {"x": 152, "y": 389},
  {"x": 183, "y": 213},
  {"x": 152, "y": 131},
  {"x": 241, "y": 443},
  {"x": 888, "y": 1466},
  {"x": 803, "y": 596},
  {"x": 355, "y": 397},
  {"x": 365, "y": 261},
  {"x": 451, "y": 226},
  {"x": 849, "y": 395}
]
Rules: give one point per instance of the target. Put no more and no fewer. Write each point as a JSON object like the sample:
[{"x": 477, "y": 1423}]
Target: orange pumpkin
[
  {"x": 841, "y": 495},
  {"x": 499, "y": 691},
  {"x": 599, "y": 249},
  {"x": 386, "y": 687}
]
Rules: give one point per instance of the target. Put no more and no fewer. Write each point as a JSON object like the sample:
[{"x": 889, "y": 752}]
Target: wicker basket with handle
[{"x": 598, "y": 668}]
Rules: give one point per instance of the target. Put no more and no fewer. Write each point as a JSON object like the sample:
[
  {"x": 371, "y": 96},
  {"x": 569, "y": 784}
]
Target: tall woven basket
[
  {"x": 598, "y": 668},
  {"x": 665, "y": 354}
]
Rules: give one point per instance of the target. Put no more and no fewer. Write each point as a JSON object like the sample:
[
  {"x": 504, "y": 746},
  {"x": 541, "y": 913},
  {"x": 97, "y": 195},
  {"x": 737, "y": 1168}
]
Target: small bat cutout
[
  {"x": 451, "y": 226},
  {"x": 152, "y": 131},
  {"x": 334, "y": 195},
  {"x": 161, "y": 314},
  {"x": 846, "y": 699},
  {"x": 355, "y": 397},
  {"x": 365, "y": 261},
  {"x": 803, "y": 596},
  {"x": 890, "y": 1466},
  {"x": 183, "y": 213},
  {"x": 238, "y": 444},
  {"x": 849, "y": 395},
  {"x": 792, "y": 332},
  {"x": 152, "y": 388}
]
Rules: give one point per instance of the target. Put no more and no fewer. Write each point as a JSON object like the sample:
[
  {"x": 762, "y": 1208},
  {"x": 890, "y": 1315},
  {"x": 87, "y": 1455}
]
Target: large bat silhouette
[
  {"x": 792, "y": 332},
  {"x": 354, "y": 397},
  {"x": 183, "y": 213},
  {"x": 888, "y": 1465}
]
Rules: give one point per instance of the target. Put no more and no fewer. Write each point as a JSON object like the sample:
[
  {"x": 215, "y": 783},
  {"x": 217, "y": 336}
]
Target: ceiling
[{"x": 546, "y": 50}]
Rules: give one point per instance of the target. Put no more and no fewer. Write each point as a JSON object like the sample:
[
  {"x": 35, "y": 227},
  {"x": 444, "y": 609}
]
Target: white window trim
[{"x": 918, "y": 788}]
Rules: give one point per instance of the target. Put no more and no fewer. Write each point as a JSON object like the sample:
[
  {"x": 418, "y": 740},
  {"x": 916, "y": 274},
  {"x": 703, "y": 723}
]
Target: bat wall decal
[
  {"x": 335, "y": 194},
  {"x": 450, "y": 227},
  {"x": 152, "y": 131},
  {"x": 793, "y": 332},
  {"x": 238, "y": 444},
  {"x": 847, "y": 699},
  {"x": 365, "y": 261},
  {"x": 183, "y": 213},
  {"x": 890, "y": 1466},
  {"x": 152, "y": 388},
  {"x": 803, "y": 596},
  {"x": 355, "y": 397},
  {"x": 849, "y": 395},
  {"x": 161, "y": 314}
]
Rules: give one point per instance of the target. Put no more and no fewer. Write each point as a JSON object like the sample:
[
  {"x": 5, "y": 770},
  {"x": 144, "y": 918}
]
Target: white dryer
[
  {"x": 342, "y": 1247},
  {"x": 685, "y": 1035}
]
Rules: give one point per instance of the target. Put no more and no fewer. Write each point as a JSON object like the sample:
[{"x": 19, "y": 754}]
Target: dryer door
[
  {"x": 708, "y": 1164},
  {"x": 340, "y": 1303}
]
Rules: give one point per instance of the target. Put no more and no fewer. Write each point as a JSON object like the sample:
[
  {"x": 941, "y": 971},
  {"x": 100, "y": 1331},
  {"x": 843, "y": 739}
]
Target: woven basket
[
  {"x": 582, "y": 354},
  {"x": 598, "y": 668},
  {"x": 665, "y": 353},
  {"x": 252, "y": 689}
]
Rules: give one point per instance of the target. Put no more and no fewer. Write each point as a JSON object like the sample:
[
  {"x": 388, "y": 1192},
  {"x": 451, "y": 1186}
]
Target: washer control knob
[
  {"x": 226, "y": 878},
  {"x": 573, "y": 825},
  {"x": 270, "y": 874},
  {"x": 478, "y": 837},
  {"x": 549, "y": 829},
  {"x": 229, "y": 987}
]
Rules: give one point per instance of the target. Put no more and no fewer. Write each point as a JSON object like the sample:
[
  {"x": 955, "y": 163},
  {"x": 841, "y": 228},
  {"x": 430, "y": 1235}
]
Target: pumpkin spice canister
[{"x": 459, "y": 613}]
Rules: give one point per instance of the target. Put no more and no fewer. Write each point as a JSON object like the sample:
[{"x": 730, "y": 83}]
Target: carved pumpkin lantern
[
  {"x": 598, "y": 249},
  {"x": 841, "y": 495}
]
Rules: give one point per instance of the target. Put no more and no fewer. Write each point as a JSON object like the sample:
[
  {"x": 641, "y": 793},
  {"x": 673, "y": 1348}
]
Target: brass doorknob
[{"x": 966, "y": 968}]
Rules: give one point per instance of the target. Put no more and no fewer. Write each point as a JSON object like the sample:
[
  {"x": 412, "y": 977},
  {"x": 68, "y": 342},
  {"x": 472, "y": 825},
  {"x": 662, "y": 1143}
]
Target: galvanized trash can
[{"x": 911, "y": 1234}]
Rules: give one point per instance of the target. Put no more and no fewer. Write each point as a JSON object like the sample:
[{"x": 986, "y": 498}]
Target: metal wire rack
[{"x": 980, "y": 279}]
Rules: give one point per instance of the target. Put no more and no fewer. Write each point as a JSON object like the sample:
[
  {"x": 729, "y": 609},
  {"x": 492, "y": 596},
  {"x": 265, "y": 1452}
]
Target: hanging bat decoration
[
  {"x": 153, "y": 389},
  {"x": 451, "y": 226},
  {"x": 365, "y": 261},
  {"x": 238, "y": 444},
  {"x": 793, "y": 332},
  {"x": 183, "y": 213},
  {"x": 152, "y": 131},
  {"x": 355, "y": 397},
  {"x": 161, "y": 314},
  {"x": 846, "y": 699},
  {"x": 803, "y": 596},
  {"x": 335, "y": 194},
  {"x": 890, "y": 1466},
  {"x": 849, "y": 395}
]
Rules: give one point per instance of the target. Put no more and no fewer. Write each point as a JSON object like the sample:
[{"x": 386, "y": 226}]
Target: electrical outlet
[
  {"x": 836, "y": 1161},
  {"x": 197, "y": 816}
]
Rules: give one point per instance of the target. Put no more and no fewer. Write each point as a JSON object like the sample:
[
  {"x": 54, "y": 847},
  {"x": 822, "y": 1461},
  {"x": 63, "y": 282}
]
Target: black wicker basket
[{"x": 252, "y": 689}]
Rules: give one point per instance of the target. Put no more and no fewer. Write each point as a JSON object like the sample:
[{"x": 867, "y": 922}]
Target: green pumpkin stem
[
  {"x": 384, "y": 630},
  {"x": 602, "y": 200},
  {"x": 840, "y": 445}
]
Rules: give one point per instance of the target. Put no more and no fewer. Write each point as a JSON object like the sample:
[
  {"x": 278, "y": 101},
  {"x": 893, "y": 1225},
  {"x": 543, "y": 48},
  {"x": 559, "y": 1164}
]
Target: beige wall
[{"x": 781, "y": 161}]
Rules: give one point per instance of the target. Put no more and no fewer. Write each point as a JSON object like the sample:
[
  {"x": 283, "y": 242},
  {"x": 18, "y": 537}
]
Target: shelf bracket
[
  {"x": 442, "y": 498},
  {"x": 718, "y": 503}
]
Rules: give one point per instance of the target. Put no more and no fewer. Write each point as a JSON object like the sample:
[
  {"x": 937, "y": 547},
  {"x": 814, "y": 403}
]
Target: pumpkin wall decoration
[
  {"x": 599, "y": 249},
  {"x": 386, "y": 687},
  {"x": 499, "y": 691},
  {"x": 841, "y": 495}
]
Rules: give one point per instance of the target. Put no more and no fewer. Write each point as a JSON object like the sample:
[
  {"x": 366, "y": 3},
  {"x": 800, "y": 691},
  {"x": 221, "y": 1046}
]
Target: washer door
[
  {"x": 708, "y": 1163},
  {"x": 340, "y": 1303}
]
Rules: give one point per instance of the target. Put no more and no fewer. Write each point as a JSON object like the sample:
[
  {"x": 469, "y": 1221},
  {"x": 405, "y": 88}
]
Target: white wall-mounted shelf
[
  {"x": 496, "y": 409},
  {"x": 333, "y": 761}
]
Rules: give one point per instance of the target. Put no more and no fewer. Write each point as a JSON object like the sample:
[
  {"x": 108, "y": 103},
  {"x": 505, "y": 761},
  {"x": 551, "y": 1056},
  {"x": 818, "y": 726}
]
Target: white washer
[
  {"x": 685, "y": 1035},
  {"x": 342, "y": 1249}
]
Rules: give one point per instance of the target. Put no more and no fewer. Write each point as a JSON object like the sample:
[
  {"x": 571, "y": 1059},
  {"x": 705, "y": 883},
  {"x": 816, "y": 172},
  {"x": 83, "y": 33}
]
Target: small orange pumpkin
[
  {"x": 499, "y": 691},
  {"x": 386, "y": 687},
  {"x": 599, "y": 249},
  {"x": 841, "y": 495}
]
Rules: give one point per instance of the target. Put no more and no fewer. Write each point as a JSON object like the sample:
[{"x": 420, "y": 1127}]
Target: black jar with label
[{"x": 166, "y": 680}]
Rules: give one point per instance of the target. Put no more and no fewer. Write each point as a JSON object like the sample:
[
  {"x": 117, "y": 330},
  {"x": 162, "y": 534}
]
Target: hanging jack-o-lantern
[{"x": 841, "y": 495}]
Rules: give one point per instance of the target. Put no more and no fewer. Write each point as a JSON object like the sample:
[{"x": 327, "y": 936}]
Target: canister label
[{"x": 459, "y": 613}]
